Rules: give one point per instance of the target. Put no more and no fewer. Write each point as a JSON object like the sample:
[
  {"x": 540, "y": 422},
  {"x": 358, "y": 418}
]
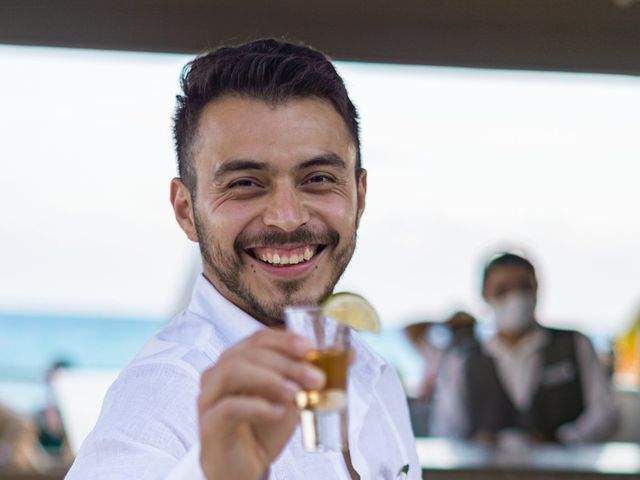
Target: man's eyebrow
[
  {"x": 324, "y": 160},
  {"x": 238, "y": 166}
]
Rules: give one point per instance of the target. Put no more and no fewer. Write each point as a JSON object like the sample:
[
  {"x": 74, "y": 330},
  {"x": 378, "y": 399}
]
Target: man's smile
[
  {"x": 287, "y": 261},
  {"x": 285, "y": 255}
]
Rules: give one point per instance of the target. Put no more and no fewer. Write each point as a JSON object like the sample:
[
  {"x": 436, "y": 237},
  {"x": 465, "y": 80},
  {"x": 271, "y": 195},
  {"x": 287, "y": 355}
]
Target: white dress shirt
[
  {"x": 148, "y": 426},
  {"x": 519, "y": 369}
]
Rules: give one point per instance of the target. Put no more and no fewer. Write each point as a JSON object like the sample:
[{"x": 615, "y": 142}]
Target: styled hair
[
  {"x": 506, "y": 259},
  {"x": 269, "y": 70}
]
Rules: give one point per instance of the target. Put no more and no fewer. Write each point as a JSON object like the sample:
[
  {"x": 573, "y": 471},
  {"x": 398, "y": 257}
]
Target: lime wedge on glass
[{"x": 352, "y": 310}]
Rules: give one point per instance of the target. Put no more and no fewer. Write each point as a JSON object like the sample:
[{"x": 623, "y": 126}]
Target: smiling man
[
  {"x": 276, "y": 203},
  {"x": 272, "y": 189}
]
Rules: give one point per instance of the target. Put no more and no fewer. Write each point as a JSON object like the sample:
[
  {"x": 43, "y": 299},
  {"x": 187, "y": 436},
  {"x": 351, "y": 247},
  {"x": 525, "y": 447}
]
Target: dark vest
[{"x": 557, "y": 400}]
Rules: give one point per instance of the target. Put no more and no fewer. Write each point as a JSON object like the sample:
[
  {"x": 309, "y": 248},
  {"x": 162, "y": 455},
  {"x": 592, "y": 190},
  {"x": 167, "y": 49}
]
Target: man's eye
[
  {"x": 243, "y": 183},
  {"x": 320, "y": 179}
]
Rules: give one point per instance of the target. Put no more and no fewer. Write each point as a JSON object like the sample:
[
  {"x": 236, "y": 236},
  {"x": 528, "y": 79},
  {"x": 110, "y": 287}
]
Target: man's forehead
[
  {"x": 232, "y": 128},
  {"x": 234, "y": 110}
]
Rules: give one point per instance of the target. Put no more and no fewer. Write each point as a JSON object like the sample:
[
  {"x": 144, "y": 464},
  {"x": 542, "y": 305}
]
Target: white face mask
[{"x": 514, "y": 313}]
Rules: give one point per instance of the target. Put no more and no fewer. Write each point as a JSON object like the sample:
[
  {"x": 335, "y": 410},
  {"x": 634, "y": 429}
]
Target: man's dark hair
[
  {"x": 269, "y": 70},
  {"x": 506, "y": 259}
]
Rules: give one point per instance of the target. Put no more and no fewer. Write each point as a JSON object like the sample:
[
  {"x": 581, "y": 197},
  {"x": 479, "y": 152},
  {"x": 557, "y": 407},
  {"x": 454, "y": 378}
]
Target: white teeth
[{"x": 292, "y": 259}]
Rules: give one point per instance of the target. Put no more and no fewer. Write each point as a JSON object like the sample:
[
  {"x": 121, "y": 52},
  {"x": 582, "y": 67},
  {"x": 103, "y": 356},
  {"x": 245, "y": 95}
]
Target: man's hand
[{"x": 247, "y": 409}]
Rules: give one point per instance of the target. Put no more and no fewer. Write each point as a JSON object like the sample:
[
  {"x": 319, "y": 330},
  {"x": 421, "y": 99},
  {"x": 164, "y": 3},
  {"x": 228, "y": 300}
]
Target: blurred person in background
[
  {"x": 19, "y": 446},
  {"x": 418, "y": 335},
  {"x": 426, "y": 339},
  {"x": 51, "y": 433},
  {"x": 462, "y": 326},
  {"x": 35, "y": 443},
  {"x": 527, "y": 382},
  {"x": 627, "y": 356},
  {"x": 433, "y": 340},
  {"x": 436, "y": 342}
]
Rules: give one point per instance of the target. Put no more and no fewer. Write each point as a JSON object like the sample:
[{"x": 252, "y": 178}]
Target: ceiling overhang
[{"x": 567, "y": 35}]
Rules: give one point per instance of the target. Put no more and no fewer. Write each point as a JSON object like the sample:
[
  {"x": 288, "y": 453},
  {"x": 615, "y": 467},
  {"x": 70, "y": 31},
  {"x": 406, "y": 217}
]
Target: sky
[{"x": 461, "y": 162}]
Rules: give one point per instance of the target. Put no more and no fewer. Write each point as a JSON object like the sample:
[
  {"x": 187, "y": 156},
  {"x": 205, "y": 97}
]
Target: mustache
[{"x": 273, "y": 238}]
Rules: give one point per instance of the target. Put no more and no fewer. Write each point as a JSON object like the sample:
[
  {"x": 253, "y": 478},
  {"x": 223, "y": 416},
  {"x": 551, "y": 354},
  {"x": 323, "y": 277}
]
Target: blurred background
[{"x": 485, "y": 127}]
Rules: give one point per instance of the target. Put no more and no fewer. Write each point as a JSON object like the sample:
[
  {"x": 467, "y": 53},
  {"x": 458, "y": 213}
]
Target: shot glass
[{"x": 321, "y": 411}]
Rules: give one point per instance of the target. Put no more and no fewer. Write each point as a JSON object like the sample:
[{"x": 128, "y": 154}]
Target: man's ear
[
  {"x": 362, "y": 192},
  {"x": 183, "y": 208}
]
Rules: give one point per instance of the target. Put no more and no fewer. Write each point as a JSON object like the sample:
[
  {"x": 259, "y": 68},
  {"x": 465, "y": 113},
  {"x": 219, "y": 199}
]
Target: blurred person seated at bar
[
  {"x": 19, "y": 446},
  {"x": 526, "y": 382},
  {"x": 462, "y": 326},
  {"x": 48, "y": 421},
  {"x": 426, "y": 338},
  {"x": 418, "y": 335},
  {"x": 432, "y": 340},
  {"x": 435, "y": 342}
]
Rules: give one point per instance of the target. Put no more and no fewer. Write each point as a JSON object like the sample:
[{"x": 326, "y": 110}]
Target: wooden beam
[{"x": 571, "y": 35}]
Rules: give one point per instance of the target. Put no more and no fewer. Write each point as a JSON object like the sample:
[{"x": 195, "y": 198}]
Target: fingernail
[
  {"x": 315, "y": 378},
  {"x": 291, "y": 389},
  {"x": 302, "y": 345}
]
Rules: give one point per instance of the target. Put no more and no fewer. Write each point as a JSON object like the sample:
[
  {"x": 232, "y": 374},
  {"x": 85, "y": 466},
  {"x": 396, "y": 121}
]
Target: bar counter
[{"x": 452, "y": 459}]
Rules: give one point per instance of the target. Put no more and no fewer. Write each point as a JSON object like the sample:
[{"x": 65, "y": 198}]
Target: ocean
[{"x": 29, "y": 344}]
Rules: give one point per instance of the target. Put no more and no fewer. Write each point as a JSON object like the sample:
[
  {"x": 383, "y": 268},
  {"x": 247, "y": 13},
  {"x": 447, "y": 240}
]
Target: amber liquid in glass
[{"x": 334, "y": 364}]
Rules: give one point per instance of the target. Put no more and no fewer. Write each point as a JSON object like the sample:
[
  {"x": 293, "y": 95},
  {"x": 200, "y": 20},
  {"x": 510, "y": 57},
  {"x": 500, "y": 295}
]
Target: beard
[{"x": 228, "y": 266}]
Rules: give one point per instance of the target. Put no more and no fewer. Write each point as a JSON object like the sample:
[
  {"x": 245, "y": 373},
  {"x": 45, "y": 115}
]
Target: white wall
[{"x": 460, "y": 162}]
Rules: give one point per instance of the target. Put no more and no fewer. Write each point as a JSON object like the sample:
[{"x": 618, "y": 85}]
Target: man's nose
[{"x": 285, "y": 208}]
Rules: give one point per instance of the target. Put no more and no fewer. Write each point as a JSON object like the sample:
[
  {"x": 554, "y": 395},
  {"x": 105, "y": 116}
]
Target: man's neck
[
  {"x": 237, "y": 301},
  {"x": 512, "y": 339}
]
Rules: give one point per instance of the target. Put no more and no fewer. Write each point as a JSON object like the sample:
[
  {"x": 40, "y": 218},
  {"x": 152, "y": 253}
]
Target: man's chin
[
  {"x": 292, "y": 295},
  {"x": 284, "y": 294}
]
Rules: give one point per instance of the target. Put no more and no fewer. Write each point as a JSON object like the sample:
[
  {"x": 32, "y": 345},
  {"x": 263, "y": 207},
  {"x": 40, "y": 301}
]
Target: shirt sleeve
[
  {"x": 449, "y": 416},
  {"x": 600, "y": 417},
  {"x": 147, "y": 428},
  {"x": 189, "y": 467}
]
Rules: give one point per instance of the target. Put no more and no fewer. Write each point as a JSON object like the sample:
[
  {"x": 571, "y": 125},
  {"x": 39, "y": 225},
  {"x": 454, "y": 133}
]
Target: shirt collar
[
  {"x": 231, "y": 323},
  {"x": 533, "y": 341}
]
